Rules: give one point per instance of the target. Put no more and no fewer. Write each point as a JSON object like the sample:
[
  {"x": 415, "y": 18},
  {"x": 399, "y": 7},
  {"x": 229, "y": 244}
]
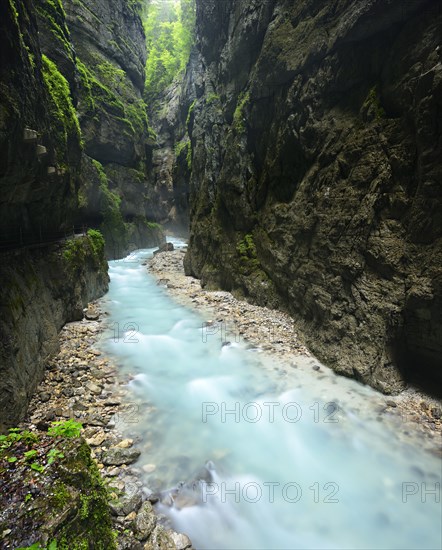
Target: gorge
[{"x": 296, "y": 147}]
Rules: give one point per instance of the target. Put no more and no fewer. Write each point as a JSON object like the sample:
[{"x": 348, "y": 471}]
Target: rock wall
[
  {"x": 73, "y": 134},
  {"x": 110, "y": 50},
  {"x": 316, "y": 174},
  {"x": 41, "y": 290},
  {"x": 40, "y": 153}
]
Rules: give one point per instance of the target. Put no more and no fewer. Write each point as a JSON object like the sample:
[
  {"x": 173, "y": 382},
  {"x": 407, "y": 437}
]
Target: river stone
[
  {"x": 125, "y": 444},
  {"x": 117, "y": 456},
  {"x": 93, "y": 388},
  {"x": 166, "y": 247},
  {"x": 145, "y": 521},
  {"x": 126, "y": 504},
  {"x": 97, "y": 440},
  {"x": 92, "y": 313},
  {"x": 182, "y": 541},
  {"x": 160, "y": 539},
  {"x": 44, "y": 397}
]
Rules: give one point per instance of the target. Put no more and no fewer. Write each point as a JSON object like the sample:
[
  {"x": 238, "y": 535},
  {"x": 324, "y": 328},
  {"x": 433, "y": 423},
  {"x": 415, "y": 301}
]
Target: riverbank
[
  {"x": 275, "y": 333},
  {"x": 83, "y": 384}
]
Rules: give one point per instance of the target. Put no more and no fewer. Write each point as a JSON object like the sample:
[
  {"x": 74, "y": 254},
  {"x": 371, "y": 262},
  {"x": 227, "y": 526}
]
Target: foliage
[
  {"x": 190, "y": 113},
  {"x": 62, "y": 107},
  {"x": 74, "y": 253},
  {"x": 248, "y": 256},
  {"x": 113, "y": 225},
  {"x": 106, "y": 88},
  {"x": 238, "y": 115},
  {"x": 97, "y": 241},
  {"x": 169, "y": 27},
  {"x": 373, "y": 101},
  {"x": 65, "y": 428}
]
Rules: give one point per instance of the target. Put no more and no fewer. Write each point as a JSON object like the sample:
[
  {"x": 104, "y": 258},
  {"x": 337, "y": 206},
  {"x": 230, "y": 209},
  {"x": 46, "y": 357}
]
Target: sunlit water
[{"x": 303, "y": 460}]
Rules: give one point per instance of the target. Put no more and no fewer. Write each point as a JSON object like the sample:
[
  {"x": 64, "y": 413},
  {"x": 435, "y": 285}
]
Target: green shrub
[
  {"x": 65, "y": 428},
  {"x": 239, "y": 115},
  {"x": 97, "y": 241}
]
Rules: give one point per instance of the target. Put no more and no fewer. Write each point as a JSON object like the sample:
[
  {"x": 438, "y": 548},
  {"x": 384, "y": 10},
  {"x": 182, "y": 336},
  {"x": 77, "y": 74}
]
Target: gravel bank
[{"x": 276, "y": 333}]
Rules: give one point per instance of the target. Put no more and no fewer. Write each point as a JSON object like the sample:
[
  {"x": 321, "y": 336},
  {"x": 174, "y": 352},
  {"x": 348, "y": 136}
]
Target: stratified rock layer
[{"x": 316, "y": 174}]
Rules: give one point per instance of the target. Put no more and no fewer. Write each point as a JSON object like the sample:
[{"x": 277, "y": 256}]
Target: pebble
[
  {"x": 149, "y": 468},
  {"x": 125, "y": 444}
]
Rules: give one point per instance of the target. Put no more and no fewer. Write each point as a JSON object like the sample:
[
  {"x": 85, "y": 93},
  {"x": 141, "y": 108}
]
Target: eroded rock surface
[{"x": 316, "y": 163}]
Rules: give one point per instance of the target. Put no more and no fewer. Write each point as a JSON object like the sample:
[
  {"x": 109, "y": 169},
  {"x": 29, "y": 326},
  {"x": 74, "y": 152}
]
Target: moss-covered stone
[{"x": 63, "y": 501}]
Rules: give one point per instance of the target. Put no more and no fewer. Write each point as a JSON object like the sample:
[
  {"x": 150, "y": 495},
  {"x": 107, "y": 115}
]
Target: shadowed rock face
[
  {"x": 41, "y": 290},
  {"x": 316, "y": 181}
]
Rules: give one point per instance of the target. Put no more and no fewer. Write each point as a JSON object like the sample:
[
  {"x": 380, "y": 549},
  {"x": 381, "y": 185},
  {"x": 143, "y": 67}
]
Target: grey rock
[
  {"x": 117, "y": 456},
  {"x": 145, "y": 521},
  {"x": 126, "y": 504},
  {"x": 181, "y": 541}
]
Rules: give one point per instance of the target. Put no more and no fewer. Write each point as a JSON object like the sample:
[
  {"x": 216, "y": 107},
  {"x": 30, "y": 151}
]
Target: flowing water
[{"x": 292, "y": 457}]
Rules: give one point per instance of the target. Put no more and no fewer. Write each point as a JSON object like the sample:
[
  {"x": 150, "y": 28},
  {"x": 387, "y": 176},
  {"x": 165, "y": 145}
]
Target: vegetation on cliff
[
  {"x": 169, "y": 28},
  {"x": 64, "y": 112}
]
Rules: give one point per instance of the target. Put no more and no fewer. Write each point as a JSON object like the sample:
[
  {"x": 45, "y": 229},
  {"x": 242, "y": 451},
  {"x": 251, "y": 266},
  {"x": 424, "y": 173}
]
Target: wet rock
[
  {"x": 116, "y": 456},
  {"x": 93, "y": 388},
  {"x": 125, "y": 444},
  {"x": 166, "y": 247},
  {"x": 96, "y": 441},
  {"x": 160, "y": 539},
  {"x": 44, "y": 397},
  {"x": 92, "y": 313},
  {"x": 391, "y": 403},
  {"x": 126, "y": 504},
  {"x": 181, "y": 541},
  {"x": 145, "y": 521}
]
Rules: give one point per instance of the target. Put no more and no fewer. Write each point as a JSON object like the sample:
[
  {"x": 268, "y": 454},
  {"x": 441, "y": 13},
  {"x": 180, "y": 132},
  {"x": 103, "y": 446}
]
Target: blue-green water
[{"x": 303, "y": 460}]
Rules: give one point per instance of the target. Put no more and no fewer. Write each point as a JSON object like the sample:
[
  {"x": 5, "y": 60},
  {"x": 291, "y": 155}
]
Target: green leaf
[
  {"x": 37, "y": 467},
  {"x": 30, "y": 454}
]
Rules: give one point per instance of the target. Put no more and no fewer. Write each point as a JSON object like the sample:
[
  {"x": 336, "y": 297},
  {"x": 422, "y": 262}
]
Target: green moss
[
  {"x": 239, "y": 114},
  {"x": 113, "y": 226},
  {"x": 54, "y": 16},
  {"x": 97, "y": 242},
  {"x": 212, "y": 97},
  {"x": 107, "y": 88},
  {"x": 373, "y": 101},
  {"x": 14, "y": 11},
  {"x": 92, "y": 526},
  {"x": 190, "y": 113},
  {"x": 62, "y": 107},
  {"x": 79, "y": 250},
  {"x": 246, "y": 250}
]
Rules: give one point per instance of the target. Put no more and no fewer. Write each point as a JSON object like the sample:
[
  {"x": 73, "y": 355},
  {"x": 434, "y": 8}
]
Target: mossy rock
[{"x": 64, "y": 502}]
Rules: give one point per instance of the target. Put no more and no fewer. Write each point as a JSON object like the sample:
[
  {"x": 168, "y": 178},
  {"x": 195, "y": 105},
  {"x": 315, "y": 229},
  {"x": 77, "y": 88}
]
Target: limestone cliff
[
  {"x": 316, "y": 174},
  {"x": 41, "y": 290},
  {"x": 110, "y": 53},
  {"x": 73, "y": 152}
]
